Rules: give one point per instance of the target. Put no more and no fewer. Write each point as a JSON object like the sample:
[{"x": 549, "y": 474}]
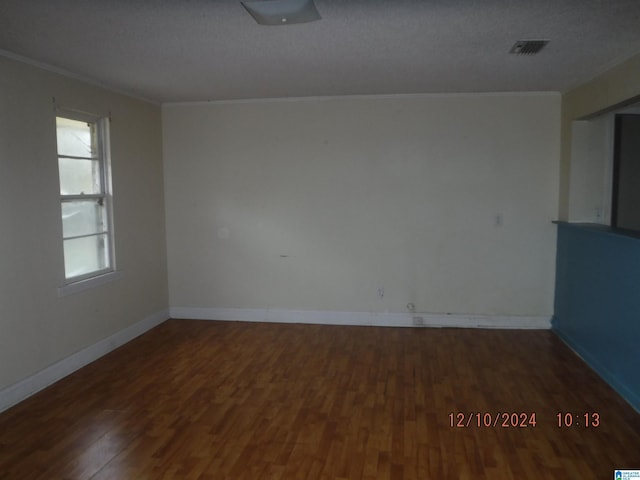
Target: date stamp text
[{"x": 492, "y": 419}]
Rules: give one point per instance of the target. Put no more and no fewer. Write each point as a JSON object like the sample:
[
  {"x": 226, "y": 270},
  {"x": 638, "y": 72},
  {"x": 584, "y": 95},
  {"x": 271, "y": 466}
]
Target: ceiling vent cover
[
  {"x": 282, "y": 12},
  {"x": 528, "y": 47}
]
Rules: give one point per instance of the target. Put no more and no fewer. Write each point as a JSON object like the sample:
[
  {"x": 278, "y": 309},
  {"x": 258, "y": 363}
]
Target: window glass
[
  {"x": 76, "y": 138},
  {"x": 86, "y": 255},
  {"x": 84, "y": 217},
  {"x": 79, "y": 176}
]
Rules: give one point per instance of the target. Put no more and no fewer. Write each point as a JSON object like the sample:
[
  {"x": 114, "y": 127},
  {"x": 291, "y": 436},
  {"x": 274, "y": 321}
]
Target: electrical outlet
[{"x": 598, "y": 213}]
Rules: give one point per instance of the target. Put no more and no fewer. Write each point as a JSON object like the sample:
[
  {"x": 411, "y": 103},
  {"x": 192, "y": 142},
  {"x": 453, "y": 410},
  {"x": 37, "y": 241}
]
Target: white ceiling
[{"x": 194, "y": 50}]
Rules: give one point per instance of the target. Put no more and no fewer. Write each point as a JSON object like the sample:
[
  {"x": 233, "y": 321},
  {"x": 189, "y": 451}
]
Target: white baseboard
[
  {"x": 364, "y": 318},
  {"x": 20, "y": 391},
  {"x": 15, "y": 393}
]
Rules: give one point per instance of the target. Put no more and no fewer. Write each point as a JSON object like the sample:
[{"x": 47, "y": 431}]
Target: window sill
[{"x": 89, "y": 283}]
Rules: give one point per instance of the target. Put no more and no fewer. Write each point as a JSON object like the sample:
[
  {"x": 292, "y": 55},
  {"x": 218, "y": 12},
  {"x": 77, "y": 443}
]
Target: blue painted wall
[{"x": 597, "y": 302}]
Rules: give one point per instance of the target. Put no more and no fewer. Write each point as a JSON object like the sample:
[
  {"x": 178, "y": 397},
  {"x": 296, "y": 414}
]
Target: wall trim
[
  {"x": 373, "y": 96},
  {"x": 20, "y": 391},
  {"x": 74, "y": 76},
  {"x": 379, "y": 319}
]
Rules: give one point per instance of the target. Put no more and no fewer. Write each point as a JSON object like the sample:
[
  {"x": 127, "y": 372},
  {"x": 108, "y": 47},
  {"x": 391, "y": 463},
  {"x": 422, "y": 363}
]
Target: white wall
[
  {"x": 38, "y": 328},
  {"x": 591, "y": 170},
  {"x": 316, "y": 204}
]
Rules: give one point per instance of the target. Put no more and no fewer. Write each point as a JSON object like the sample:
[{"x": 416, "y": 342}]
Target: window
[{"x": 83, "y": 165}]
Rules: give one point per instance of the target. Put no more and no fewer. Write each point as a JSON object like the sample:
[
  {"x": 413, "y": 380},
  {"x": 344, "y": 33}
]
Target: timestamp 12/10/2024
[{"x": 521, "y": 419}]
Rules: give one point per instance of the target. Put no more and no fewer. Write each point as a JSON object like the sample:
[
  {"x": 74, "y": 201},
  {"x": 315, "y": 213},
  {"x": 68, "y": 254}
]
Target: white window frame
[{"x": 81, "y": 282}]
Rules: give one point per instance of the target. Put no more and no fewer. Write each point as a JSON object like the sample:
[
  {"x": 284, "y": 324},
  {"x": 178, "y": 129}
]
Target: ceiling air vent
[{"x": 528, "y": 47}]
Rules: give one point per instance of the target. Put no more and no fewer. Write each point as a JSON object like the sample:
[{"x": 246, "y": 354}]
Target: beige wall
[
  {"x": 315, "y": 204},
  {"x": 615, "y": 87},
  {"x": 38, "y": 328}
]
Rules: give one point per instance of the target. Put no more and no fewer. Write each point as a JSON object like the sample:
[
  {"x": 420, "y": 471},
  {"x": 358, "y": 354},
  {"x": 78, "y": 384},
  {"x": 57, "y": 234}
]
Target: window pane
[
  {"x": 76, "y": 138},
  {"x": 83, "y": 217},
  {"x": 85, "y": 255},
  {"x": 79, "y": 176}
]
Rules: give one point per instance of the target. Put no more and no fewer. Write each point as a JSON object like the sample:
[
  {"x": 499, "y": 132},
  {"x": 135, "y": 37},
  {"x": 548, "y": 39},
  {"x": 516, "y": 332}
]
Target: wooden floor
[{"x": 223, "y": 400}]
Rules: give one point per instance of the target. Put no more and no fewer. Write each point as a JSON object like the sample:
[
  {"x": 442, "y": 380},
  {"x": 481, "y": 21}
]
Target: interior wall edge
[{"x": 31, "y": 385}]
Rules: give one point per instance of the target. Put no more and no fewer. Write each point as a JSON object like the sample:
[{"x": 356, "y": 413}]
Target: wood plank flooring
[{"x": 225, "y": 400}]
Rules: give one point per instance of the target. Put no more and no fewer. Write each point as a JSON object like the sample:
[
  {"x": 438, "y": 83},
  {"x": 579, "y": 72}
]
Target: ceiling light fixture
[{"x": 282, "y": 12}]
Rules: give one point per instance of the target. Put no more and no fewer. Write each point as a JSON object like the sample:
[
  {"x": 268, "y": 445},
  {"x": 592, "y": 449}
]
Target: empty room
[{"x": 330, "y": 239}]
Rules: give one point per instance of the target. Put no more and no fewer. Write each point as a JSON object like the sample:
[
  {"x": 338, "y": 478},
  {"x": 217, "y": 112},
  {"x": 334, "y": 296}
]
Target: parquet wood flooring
[{"x": 227, "y": 400}]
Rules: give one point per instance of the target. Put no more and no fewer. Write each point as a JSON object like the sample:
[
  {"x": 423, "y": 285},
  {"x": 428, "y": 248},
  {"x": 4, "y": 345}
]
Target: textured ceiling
[{"x": 193, "y": 50}]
